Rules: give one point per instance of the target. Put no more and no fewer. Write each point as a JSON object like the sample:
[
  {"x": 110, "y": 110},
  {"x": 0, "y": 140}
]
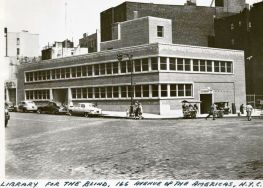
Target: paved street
[{"x": 52, "y": 146}]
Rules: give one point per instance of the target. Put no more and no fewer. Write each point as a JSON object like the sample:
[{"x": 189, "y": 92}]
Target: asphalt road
[{"x": 42, "y": 146}]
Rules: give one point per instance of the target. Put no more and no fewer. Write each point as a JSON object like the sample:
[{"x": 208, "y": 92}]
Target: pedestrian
[
  {"x": 212, "y": 111},
  {"x": 136, "y": 110},
  {"x": 249, "y": 110},
  {"x": 140, "y": 111},
  {"x": 242, "y": 109}
]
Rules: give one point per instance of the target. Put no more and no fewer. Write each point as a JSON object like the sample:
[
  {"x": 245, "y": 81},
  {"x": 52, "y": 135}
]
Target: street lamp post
[{"x": 129, "y": 56}]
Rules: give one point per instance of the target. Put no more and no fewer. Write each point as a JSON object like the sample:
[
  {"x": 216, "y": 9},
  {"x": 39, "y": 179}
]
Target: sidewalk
[{"x": 115, "y": 114}]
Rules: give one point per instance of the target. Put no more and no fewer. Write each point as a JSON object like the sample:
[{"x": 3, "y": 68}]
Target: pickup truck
[{"x": 85, "y": 109}]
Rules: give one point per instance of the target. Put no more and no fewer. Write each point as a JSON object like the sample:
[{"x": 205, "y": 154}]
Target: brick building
[
  {"x": 92, "y": 42},
  {"x": 191, "y": 24},
  {"x": 243, "y": 31},
  {"x": 164, "y": 74}
]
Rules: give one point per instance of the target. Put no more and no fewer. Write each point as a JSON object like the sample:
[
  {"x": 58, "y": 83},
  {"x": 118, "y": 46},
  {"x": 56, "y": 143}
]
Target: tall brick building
[
  {"x": 191, "y": 24},
  {"x": 243, "y": 31}
]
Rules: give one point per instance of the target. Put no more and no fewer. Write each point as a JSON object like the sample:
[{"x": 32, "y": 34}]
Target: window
[
  {"x": 145, "y": 66},
  {"x": 97, "y": 92},
  {"x": 35, "y": 76},
  {"x": 73, "y": 92},
  {"x": 129, "y": 66},
  {"x": 145, "y": 90},
  {"x": 123, "y": 66},
  {"x": 57, "y": 73},
  {"x": 202, "y": 65},
  {"x": 17, "y": 41},
  {"x": 223, "y": 66},
  {"x": 163, "y": 90},
  {"x": 102, "y": 69},
  {"x": 78, "y": 93},
  {"x": 180, "y": 64},
  {"x": 159, "y": 31},
  {"x": 67, "y": 72},
  {"x": 196, "y": 65},
  {"x": 115, "y": 92},
  {"x": 90, "y": 92},
  {"x": 163, "y": 65},
  {"x": 138, "y": 92},
  {"x": 44, "y": 75},
  {"x": 109, "y": 92},
  {"x": 89, "y": 67},
  {"x": 63, "y": 73},
  {"x": 180, "y": 90},
  {"x": 187, "y": 65},
  {"x": 17, "y": 51},
  {"x": 229, "y": 66},
  {"x": 109, "y": 69},
  {"x": 48, "y": 74},
  {"x": 137, "y": 65},
  {"x": 172, "y": 64},
  {"x": 154, "y": 63},
  {"x": 155, "y": 91},
  {"x": 40, "y": 75},
  {"x": 102, "y": 92},
  {"x": 96, "y": 69},
  {"x": 123, "y": 92},
  {"x": 173, "y": 90},
  {"x": 53, "y": 74},
  {"x": 188, "y": 90},
  {"x": 73, "y": 72},
  {"x": 84, "y": 71},
  {"x": 84, "y": 93},
  {"x": 216, "y": 66},
  {"x": 130, "y": 92},
  {"x": 115, "y": 67},
  {"x": 209, "y": 66}
]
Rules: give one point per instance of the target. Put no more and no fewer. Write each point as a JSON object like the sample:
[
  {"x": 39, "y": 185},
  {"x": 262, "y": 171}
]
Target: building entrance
[
  {"x": 206, "y": 102},
  {"x": 60, "y": 96}
]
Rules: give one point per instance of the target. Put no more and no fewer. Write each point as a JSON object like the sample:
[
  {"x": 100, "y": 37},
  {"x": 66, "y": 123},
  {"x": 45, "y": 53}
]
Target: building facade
[
  {"x": 243, "y": 31},
  {"x": 92, "y": 42},
  {"x": 20, "y": 47},
  {"x": 163, "y": 74}
]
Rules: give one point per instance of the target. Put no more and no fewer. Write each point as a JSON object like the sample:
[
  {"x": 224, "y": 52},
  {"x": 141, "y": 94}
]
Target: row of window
[
  {"x": 138, "y": 65},
  {"x": 139, "y": 91}
]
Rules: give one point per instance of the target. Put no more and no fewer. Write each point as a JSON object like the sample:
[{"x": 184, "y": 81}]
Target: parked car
[
  {"x": 190, "y": 109},
  {"x": 85, "y": 109},
  {"x": 7, "y": 115},
  {"x": 10, "y": 106},
  {"x": 52, "y": 108},
  {"x": 26, "y": 106}
]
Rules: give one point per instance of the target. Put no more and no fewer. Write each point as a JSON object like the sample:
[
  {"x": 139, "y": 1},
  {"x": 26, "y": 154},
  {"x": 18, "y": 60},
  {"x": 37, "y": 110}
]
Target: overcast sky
[{"x": 47, "y": 17}]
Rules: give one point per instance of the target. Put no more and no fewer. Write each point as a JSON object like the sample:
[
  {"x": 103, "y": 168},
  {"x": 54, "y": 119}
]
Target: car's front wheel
[{"x": 39, "y": 111}]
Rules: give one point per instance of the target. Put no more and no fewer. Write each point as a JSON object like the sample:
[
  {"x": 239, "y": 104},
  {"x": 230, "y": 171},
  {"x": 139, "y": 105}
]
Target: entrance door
[{"x": 206, "y": 102}]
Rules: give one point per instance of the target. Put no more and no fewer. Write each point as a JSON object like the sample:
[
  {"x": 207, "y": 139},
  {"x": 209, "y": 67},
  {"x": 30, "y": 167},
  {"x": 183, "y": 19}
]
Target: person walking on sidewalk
[
  {"x": 212, "y": 111},
  {"x": 249, "y": 110}
]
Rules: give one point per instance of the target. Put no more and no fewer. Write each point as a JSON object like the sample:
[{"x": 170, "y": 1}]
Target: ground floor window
[{"x": 37, "y": 95}]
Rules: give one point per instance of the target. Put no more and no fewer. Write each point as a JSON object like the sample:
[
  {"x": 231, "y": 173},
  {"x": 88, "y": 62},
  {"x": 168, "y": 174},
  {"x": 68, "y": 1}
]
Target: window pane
[
  {"x": 84, "y": 71},
  {"x": 229, "y": 66},
  {"x": 97, "y": 92},
  {"x": 172, "y": 64},
  {"x": 48, "y": 74},
  {"x": 109, "y": 92},
  {"x": 202, "y": 65},
  {"x": 96, "y": 69},
  {"x": 67, "y": 72},
  {"x": 123, "y": 92},
  {"x": 90, "y": 92},
  {"x": 102, "y": 69},
  {"x": 180, "y": 90},
  {"x": 173, "y": 90},
  {"x": 187, "y": 65},
  {"x": 84, "y": 93},
  {"x": 73, "y": 72},
  {"x": 154, "y": 62},
  {"x": 123, "y": 67},
  {"x": 145, "y": 89},
  {"x": 74, "y": 94},
  {"x": 63, "y": 73},
  {"x": 53, "y": 73},
  {"x": 115, "y": 92},
  {"x": 163, "y": 90},
  {"x": 138, "y": 92},
  {"x": 188, "y": 90},
  {"x": 57, "y": 73},
  {"x": 129, "y": 65},
  {"x": 195, "y": 65},
  {"x": 180, "y": 64},
  {"x": 163, "y": 65},
  {"x": 102, "y": 92},
  {"x": 79, "y": 93},
  {"x": 223, "y": 66},
  {"x": 78, "y": 71},
  {"x": 216, "y": 66},
  {"x": 209, "y": 66},
  {"x": 108, "y": 67},
  {"x": 155, "y": 91},
  {"x": 145, "y": 66},
  {"x": 160, "y": 31},
  {"x": 129, "y": 91},
  {"x": 137, "y": 65},
  {"x": 89, "y": 70},
  {"x": 115, "y": 67}
]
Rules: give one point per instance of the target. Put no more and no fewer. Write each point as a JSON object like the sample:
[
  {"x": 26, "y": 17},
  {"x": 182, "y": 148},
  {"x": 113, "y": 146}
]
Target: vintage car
[
  {"x": 26, "y": 106},
  {"x": 10, "y": 106},
  {"x": 190, "y": 108},
  {"x": 52, "y": 108},
  {"x": 85, "y": 109},
  {"x": 7, "y": 115}
]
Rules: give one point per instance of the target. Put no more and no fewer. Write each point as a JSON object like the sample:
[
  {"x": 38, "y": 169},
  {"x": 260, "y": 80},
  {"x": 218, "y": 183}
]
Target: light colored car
[
  {"x": 26, "y": 106},
  {"x": 86, "y": 109}
]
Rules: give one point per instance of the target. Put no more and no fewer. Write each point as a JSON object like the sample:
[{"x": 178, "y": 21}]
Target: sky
[{"x": 47, "y": 17}]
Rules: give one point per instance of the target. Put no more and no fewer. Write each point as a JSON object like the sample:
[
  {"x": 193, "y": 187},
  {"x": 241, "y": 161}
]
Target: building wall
[
  {"x": 90, "y": 42},
  {"x": 226, "y": 86}
]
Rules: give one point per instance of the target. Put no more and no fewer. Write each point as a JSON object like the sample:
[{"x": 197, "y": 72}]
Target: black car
[{"x": 52, "y": 108}]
